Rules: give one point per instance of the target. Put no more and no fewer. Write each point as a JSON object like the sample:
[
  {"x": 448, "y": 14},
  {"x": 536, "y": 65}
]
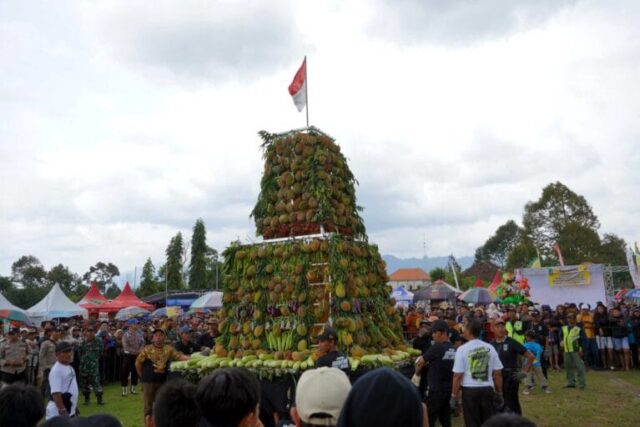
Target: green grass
[{"x": 610, "y": 399}]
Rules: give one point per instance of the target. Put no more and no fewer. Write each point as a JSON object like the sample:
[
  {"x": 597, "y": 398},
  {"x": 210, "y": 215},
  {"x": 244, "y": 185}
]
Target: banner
[
  {"x": 633, "y": 267},
  {"x": 558, "y": 285},
  {"x": 570, "y": 276}
]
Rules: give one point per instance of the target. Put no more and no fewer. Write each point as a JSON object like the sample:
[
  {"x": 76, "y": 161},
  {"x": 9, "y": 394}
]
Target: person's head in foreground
[
  {"x": 230, "y": 397},
  {"x": 20, "y": 406},
  {"x": 320, "y": 395},
  {"x": 98, "y": 420},
  {"x": 472, "y": 329},
  {"x": 383, "y": 398},
  {"x": 175, "y": 405},
  {"x": 508, "y": 420}
]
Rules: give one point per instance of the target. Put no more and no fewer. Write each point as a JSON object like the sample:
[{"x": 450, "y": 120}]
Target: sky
[{"x": 121, "y": 123}]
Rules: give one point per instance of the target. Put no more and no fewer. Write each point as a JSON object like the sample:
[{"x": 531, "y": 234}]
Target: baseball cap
[
  {"x": 63, "y": 346},
  {"x": 439, "y": 326},
  {"x": 328, "y": 333},
  {"x": 320, "y": 395},
  {"x": 132, "y": 322}
]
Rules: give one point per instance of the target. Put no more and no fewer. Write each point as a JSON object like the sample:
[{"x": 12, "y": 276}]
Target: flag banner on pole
[
  {"x": 297, "y": 88},
  {"x": 633, "y": 268},
  {"x": 535, "y": 263},
  {"x": 556, "y": 248}
]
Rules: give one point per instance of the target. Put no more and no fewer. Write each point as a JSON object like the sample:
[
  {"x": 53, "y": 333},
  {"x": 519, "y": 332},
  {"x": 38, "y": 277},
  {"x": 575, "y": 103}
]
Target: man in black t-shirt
[
  {"x": 186, "y": 345},
  {"x": 423, "y": 341},
  {"x": 542, "y": 336},
  {"x": 331, "y": 356},
  {"x": 508, "y": 351},
  {"x": 439, "y": 360}
]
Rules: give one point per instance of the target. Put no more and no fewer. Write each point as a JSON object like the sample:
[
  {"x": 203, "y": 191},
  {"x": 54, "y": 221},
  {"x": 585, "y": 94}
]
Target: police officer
[
  {"x": 514, "y": 326},
  {"x": 90, "y": 352},
  {"x": 572, "y": 336},
  {"x": 508, "y": 351},
  {"x": 14, "y": 354}
]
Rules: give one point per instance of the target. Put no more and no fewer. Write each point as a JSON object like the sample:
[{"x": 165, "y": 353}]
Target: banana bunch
[{"x": 283, "y": 342}]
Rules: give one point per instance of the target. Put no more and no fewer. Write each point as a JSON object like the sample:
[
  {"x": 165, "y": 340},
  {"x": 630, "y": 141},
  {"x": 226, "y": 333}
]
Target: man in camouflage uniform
[{"x": 90, "y": 351}]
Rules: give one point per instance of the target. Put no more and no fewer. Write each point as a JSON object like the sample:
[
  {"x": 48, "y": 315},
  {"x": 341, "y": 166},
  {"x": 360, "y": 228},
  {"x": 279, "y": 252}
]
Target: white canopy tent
[
  {"x": 402, "y": 296},
  {"x": 208, "y": 300},
  {"x": 55, "y": 305}
]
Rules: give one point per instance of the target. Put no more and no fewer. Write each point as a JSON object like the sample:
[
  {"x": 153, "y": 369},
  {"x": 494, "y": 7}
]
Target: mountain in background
[{"x": 427, "y": 264}]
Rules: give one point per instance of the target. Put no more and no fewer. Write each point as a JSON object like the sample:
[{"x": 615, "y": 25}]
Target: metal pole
[{"x": 306, "y": 87}]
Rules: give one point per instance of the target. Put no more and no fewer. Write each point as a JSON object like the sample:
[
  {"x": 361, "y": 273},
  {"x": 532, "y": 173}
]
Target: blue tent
[{"x": 402, "y": 296}]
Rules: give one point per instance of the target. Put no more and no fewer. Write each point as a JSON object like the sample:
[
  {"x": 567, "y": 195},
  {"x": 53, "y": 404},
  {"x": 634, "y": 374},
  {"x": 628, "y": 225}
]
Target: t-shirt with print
[
  {"x": 440, "y": 357},
  {"x": 508, "y": 352},
  {"x": 536, "y": 349},
  {"x": 335, "y": 359},
  {"x": 476, "y": 360}
]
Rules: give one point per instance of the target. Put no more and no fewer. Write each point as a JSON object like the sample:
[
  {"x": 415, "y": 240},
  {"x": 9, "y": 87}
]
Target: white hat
[{"x": 322, "y": 392}]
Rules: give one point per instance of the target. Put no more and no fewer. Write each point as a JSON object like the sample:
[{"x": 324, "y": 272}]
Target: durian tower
[{"x": 314, "y": 266}]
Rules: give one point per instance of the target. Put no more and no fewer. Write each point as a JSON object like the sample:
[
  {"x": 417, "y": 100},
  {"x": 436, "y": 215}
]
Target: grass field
[{"x": 610, "y": 399}]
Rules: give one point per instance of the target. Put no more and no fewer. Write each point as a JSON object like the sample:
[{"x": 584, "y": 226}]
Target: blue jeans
[{"x": 591, "y": 352}]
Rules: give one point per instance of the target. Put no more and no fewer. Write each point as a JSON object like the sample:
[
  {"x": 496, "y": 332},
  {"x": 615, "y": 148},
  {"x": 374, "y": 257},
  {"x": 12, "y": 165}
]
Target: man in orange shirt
[
  {"x": 411, "y": 321},
  {"x": 590, "y": 348}
]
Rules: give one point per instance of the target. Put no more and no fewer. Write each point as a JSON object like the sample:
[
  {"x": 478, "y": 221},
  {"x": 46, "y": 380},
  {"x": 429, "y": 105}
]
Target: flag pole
[{"x": 306, "y": 87}]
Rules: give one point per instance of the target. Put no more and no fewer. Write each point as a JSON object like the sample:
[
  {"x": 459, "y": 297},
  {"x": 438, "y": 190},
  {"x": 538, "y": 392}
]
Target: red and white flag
[
  {"x": 556, "y": 248},
  {"x": 298, "y": 87}
]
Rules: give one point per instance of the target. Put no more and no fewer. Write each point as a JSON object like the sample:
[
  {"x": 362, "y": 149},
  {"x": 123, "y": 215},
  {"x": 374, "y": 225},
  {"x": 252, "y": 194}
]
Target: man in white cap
[{"x": 320, "y": 395}]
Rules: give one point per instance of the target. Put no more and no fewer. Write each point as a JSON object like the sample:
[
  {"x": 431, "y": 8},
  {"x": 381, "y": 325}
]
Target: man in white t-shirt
[
  {"x": 477, "y": 372},
  {"x": 62, "y": 380}
]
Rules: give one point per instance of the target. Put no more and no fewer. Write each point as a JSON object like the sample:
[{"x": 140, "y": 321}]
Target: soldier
[
  {"x": 14, "y": 354},
  {"x": 90, "y": 352}
]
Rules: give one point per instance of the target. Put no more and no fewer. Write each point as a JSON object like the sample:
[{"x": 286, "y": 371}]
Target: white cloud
[{"x": 116, "y": 135}]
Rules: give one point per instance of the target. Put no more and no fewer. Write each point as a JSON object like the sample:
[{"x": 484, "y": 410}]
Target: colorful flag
[
  {"x": 298, "y": 87},
  {"x": 556, "y": 248},
  {"x": 535, "y": 263}
]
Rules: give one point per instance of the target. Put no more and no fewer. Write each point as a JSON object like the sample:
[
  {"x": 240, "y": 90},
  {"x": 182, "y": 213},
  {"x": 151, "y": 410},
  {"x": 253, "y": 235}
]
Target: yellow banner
[{"x": 570, "y": 276}]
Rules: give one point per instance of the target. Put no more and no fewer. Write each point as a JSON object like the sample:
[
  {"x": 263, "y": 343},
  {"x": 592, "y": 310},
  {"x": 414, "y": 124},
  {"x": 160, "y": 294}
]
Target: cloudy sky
[{"x": 122, "y": 122}]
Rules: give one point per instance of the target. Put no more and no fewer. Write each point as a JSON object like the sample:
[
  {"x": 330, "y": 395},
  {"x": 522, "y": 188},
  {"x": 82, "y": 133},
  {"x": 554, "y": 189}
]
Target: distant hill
[{"x": 427, "y": 264}]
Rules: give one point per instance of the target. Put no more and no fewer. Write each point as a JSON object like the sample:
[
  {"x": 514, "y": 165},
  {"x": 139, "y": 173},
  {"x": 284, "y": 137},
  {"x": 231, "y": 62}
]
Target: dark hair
[
  {"x": 531, "y": 334},
  {"x": 474, "y": 327},
  {"x": 227, "y": 396},
  {"x": 508, "y": 420},
  {"x": 20, "y": 406},
  {"x": 176, "y": 405}
]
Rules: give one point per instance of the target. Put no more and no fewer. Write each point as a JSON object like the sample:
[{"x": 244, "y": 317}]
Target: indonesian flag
[
  {"x": 556, "y": 248},
  {"x": 298, "y": 87}
]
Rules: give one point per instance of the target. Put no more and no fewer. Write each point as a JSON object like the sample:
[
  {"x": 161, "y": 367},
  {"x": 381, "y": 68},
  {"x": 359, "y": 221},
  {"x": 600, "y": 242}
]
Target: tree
[
  {"x": 498, "y": 247},
  {"x": 29, "y": 271},
  {"x": 101, "y": 273},
  {"x": 198, "y": 267},
  {"x": 558, "y": 206},
  {"x": 578, "y": 244},
  {"x": 523, "y": 252},
  {"x": 175, "y": 252},
  {"x": 62, "y": 276},
  {"x": 148, "y": 284},
  {"x": 112, "y": 292},
  {"x": 5, "y": 284},
  {"x": 438, "y": 273},
  {"x": 214, "y": 268},
  {"x": 613, "y": 250}
]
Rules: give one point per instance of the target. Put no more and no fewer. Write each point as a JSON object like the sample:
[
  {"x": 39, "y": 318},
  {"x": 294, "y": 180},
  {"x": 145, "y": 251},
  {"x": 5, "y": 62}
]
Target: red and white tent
[
  {"x": 126, "y": 299},
  {"x": 93, "y": 301}
]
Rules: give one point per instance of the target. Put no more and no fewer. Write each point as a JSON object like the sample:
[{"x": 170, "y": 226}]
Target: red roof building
[{"x": 409, "y": 278}]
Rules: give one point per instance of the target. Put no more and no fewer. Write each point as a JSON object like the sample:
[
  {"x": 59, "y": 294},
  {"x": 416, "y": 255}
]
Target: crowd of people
[{"x": 474, "y": 359}]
